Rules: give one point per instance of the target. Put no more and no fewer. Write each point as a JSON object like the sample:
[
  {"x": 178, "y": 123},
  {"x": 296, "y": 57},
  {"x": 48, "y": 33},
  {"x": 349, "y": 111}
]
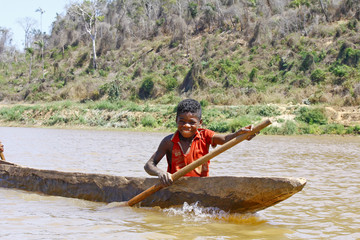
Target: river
[{"x": 327, "y": 208}]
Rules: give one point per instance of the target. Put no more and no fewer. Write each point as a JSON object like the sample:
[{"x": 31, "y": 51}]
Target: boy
[{"x": 187, "y": 144}]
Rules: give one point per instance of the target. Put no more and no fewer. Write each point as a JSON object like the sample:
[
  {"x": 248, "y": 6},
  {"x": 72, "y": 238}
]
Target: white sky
[{"x": 11, "y": 11}]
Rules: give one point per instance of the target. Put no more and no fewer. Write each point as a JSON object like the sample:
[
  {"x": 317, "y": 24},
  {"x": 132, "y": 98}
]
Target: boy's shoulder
[
  {"x": 169, "y": 137},
  {"x": 166, "y": 144},
  {"x": 167, "y": 140}
]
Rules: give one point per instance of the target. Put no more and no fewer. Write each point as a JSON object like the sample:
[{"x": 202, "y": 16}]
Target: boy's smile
[{"x": 188, "y": 123}]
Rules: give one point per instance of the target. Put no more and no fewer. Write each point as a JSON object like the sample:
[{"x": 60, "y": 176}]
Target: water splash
[{"x": 196, "y": 213}]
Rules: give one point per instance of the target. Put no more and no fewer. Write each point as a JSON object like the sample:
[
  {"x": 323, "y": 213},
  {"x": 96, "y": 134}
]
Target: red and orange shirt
[{"x": 199, "y": 147}]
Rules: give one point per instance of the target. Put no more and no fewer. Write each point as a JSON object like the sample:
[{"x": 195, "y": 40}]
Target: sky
[{"x": 11, "y": 11}]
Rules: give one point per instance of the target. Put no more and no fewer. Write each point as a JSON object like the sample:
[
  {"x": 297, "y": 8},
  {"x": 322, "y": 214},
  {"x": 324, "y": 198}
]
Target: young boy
[{"x": 187, "y": 144}]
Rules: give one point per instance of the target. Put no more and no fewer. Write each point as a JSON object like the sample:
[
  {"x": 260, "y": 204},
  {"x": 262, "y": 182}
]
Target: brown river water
[{"x": 327, "y": 208}]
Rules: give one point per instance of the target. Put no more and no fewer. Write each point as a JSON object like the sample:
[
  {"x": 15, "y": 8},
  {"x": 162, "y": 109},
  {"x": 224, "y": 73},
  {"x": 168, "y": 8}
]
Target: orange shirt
[{"x": 199, "y": 147}]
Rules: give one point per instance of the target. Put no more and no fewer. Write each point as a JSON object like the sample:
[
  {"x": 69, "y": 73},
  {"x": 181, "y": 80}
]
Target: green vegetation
[
  {"x": 128, "y": 115},
  {"x": 311, "y": 116}
]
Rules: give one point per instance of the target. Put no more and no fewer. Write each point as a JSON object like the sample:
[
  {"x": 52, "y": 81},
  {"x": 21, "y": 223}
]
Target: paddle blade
[
  {"x": 148, "y": 192},
  {"x": 116, "y": 205}
]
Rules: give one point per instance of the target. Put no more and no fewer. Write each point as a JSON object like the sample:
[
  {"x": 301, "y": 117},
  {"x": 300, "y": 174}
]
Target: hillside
[
  {"x": 275, "y": 52},
  {"x": 245, "y": 52}
]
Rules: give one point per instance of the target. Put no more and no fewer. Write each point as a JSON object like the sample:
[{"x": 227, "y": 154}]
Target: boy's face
[{"x": 188, "y": 123}]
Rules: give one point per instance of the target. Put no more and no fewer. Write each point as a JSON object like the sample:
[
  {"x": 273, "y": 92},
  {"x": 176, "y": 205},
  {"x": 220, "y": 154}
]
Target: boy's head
[{"x": 189, "y": 105}]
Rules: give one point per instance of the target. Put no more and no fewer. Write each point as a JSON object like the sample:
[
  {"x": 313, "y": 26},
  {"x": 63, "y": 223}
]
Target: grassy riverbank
[{"x": 127, "y": 115}]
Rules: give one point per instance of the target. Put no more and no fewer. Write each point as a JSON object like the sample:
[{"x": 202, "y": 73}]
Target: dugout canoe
[{"x": 233, "y": 194}]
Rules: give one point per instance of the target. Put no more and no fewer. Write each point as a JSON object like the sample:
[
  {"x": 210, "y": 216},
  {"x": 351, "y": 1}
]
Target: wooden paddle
[{"x": 188, "y": 168}]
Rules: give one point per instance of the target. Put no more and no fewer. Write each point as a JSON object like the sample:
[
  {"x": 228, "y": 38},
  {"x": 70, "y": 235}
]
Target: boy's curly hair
[{"x": 189, "y": 105}]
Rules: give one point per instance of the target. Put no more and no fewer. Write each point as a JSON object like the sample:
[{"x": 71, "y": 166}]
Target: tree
[
  {"x": 90, "y": 12},
  {"x": 27, "y": 24},
  {"x": 323, "y": 8},
  {"x": 41, "y": 43},
  {"x": 5, "y": 39}
]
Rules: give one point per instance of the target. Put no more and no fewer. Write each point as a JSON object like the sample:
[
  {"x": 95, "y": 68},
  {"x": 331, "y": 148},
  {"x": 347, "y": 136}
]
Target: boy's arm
[
  {"x": 221, "y": 139},
  {"x": 151, "y": 165}
]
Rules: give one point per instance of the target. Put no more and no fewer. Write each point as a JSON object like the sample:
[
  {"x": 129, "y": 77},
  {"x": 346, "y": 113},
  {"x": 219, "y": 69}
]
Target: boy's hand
[
  {"x": 246, "y": 130},
  {"x": 165, "y": 178}
]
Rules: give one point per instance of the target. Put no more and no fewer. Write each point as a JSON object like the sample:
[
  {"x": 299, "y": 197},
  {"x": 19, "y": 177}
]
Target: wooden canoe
[{"x": 233, "y": 194}]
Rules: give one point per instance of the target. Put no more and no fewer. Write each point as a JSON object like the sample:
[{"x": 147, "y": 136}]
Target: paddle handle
[
  {"x": 188, "y": 168},
  {"x": 2, "y": 156}
]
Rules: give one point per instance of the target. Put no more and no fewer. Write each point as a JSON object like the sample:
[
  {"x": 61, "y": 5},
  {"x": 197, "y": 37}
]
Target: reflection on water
[{"x": 327, "y": 208}]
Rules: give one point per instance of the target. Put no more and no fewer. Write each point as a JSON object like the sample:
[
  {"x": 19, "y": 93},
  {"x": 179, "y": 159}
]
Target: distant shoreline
[{"x": 130, "y": 116}]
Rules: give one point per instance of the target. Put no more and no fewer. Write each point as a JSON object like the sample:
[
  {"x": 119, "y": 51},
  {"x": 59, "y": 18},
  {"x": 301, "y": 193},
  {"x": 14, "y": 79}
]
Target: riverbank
[{"x": 127, "y": 115}]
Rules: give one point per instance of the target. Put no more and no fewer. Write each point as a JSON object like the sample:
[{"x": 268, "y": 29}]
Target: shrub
[
  {"x": 315, "y": 129},
  {"x": 148, "y": 121},
  {"x": 112, "y": 89},
  {"x": 317, "y": 76},
  {"x": 56, "y": 119},
  {"x": 133, "y": 107},
  {"x": 334, "y": 129},
  {"x": 307, "y": 61},
  {"x": 311, "y": 116},
  {"x": 171, "y": 83},
  {"x": 349, "y": 56},
  {"x": 271, "y": 130},
  {"x": 211, "y": 112},
  {"x": 105, "y": 105},
  {"x": 352, "y": 57},
  {"x": 289, "y": 128},
  {"x": 352, "y": 24},
  {"x": 219, "y": 126},
  {"x": 273, "y": 78},
  {"x": 353, "y": 130},
  {"x": 253, "y": 75},
  {"x": 146, "y": 88},
  {"x": 263, "y": 110},
  {"x": 340, "y": 70},
  {"x": 103, "y": 73},
  {"x": 13, "y": 113},
  {"x": 238, "y": 123}
]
